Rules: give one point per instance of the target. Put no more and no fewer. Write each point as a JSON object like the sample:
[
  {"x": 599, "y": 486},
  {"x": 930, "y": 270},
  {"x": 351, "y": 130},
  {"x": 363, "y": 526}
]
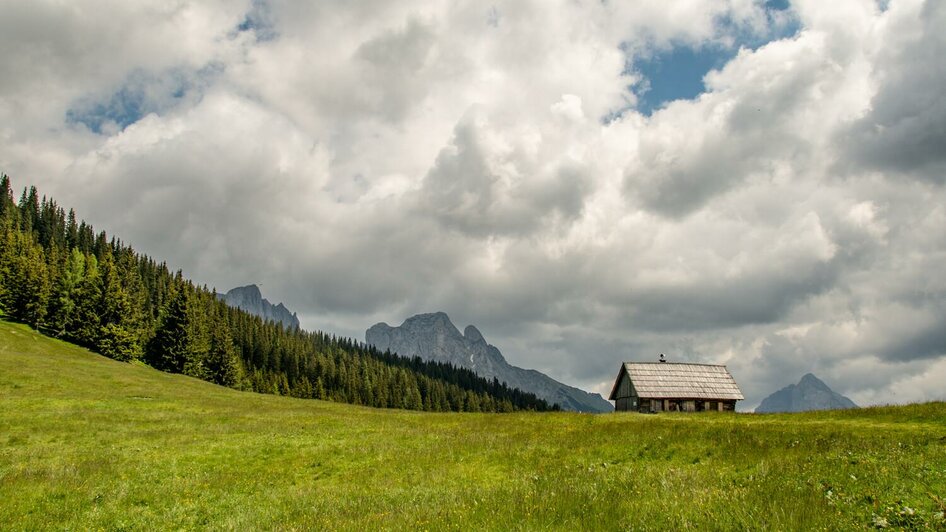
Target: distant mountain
[
  {"x": 809, "y": 394},
  {"x": 250, "y": 299},
  {"x": 434, "y": 337}
]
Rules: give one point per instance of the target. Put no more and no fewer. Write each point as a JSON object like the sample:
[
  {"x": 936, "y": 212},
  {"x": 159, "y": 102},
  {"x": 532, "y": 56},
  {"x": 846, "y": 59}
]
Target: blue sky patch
[
  {"x": 123, "y": 108},
  {"x": 259, "y": 20},
  {"x": 141, "y": 93},
  {"x": 777, "y": 5},
  {"x": 677, "y": 73}
]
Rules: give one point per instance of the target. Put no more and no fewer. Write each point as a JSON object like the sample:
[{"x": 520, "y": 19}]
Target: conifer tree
[
  {"x": 6, "y": 197},
  {"x": 119, "y": 335},
  {"x": 65, "y": 293},
  {"x": 86, "y": 324},
  {"x": 72, "y": 231},
  {"x": 170, "y": 349},
  {"x": 25, "y": 281},
  {"x": 29, "y": 210},
  {"x": 221, "y": 362}
]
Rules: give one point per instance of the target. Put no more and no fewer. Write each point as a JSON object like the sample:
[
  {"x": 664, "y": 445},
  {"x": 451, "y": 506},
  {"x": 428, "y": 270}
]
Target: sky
[{"x": 756, "y": 184}]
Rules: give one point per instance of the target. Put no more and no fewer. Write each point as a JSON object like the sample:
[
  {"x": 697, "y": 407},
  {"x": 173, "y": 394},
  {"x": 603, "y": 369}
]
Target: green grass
[{"x": 89, "y": 443}]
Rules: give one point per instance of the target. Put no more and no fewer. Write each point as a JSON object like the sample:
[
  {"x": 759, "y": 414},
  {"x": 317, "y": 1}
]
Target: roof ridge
[{"x": 679, "y": 364}]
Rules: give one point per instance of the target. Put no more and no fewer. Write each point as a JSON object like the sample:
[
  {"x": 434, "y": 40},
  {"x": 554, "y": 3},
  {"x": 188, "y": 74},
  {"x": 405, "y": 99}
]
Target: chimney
[{"x": 663, "y": 358}]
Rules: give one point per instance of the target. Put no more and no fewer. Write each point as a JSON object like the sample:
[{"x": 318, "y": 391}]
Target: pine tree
[
  {"x": 6, "y": 198},
  {"x": 29, "y": 210},
  {"x": 7, "y": 249},
  {"x": 72, "y": 231},
  {"x": 119, "y": 335},
  {"x": 25, "y": 281},
  {"x": 63, "y": 301},
  {"x": 85, "y": 327},
  {"x": 221, "y": 363},
  {"x": 170, "y": 349}
]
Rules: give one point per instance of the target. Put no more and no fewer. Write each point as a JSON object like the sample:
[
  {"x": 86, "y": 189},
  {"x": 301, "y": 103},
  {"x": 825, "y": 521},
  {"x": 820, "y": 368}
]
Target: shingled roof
[{"x": 661, "y": 380}]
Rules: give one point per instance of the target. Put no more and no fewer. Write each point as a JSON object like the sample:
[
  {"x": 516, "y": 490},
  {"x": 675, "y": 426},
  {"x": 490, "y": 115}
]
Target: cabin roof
[{"x": 656, "y": 380}]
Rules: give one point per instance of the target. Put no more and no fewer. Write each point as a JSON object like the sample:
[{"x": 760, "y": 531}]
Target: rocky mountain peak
[
  {"x": 249, "y": 298},
  {"x": 434, "y": 337},
  {"x": 249, "y": 293},
  {"x": 811, "y": 393},
  {"x": 809, "y": 380},
  {"x": 434, "y": 321},
  {"x": 473, "y": 334}
]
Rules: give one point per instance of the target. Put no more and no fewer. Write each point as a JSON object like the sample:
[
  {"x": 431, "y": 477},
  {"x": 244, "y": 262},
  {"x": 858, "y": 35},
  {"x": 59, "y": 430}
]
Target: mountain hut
[{"x": 669, "y": 387}]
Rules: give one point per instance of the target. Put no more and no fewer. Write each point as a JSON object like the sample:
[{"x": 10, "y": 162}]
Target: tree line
[{"x": 64, "y": 279}]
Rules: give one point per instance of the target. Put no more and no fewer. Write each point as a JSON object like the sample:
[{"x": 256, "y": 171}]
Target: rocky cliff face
[
  {"x": 250, "y": 299},
  {"x": 434, "y": 337},
  {"x": 809, "y": 394}
]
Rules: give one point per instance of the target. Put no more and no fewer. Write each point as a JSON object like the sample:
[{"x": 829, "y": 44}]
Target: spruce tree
[
  {"x": 119, "y": 337},
  {"x": 6, "y": 197},
  {"x": 63, "y": 301},
  {"x": 29, "y": 210},
  {"x": 221, "y": 364},
  {"x": 85, "y": 327},
  {"x": 170, "y": 349},
  {"x": 25, "y": 281}
]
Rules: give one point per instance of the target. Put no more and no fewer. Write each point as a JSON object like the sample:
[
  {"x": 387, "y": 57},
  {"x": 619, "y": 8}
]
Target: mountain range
[
  {"x": 249, "y": 299},
  {"x": 809, "y": 394},
  {"x": 435, "y": 337}
]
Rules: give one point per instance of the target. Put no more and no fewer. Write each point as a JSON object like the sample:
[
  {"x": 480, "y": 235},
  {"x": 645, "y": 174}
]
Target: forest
[{"x": 67, "y": 281}]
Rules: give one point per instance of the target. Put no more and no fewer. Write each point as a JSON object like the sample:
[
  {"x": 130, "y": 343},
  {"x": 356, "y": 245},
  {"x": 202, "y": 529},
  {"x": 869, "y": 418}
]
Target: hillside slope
[{"x": 87, "y": 442}]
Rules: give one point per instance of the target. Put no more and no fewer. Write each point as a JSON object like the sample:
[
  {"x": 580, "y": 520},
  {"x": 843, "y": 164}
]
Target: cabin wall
[
  {"x": 625, "y": 388},
  {"x": 625, "y": 399},
  {"x": 626, "y": 404},
  {"x": 674, "y": 405}
]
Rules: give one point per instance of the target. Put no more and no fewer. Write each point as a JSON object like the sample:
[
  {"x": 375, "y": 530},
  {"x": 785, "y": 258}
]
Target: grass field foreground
[{"x": 89, "y": 443}]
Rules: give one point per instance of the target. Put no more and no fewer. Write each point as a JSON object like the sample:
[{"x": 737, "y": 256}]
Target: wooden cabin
[{"x": 670, "y": 387}]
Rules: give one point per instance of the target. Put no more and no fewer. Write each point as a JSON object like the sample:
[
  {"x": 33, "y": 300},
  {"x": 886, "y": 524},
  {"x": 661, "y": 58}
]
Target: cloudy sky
[{"x": 760, "y": 184}]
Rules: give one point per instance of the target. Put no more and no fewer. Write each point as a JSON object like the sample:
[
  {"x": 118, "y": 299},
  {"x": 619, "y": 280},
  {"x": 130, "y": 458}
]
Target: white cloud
[{"x": 368, "y": 160}]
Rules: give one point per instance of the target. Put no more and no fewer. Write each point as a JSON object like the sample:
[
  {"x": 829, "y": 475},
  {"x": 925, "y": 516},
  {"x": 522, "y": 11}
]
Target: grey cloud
[
  {"x": 929, "y": 342},
  {"x": 376, "y": 264},
  {"x": 465, "y": 190},
  {"x": 393, "y": 63},
  {"x": 904, "y": 131},
  {"x": 459, "y": 188},
  {"x": 378, "y": 159},
  {"x": 762, "y": 298}
]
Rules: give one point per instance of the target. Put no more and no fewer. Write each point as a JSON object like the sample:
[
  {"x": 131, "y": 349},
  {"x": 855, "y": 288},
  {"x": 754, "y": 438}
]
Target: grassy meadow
[{"x": 90, "y": 443}]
